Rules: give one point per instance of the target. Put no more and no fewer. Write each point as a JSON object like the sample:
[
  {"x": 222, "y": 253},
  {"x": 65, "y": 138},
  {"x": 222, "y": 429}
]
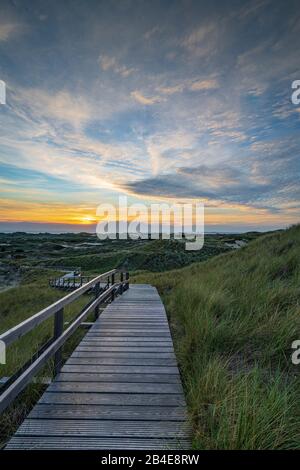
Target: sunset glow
[{"x": 184, "y": 101}]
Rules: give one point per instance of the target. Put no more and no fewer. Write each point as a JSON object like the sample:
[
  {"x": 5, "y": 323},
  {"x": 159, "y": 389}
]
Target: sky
[{"x": 157, "y": 100}]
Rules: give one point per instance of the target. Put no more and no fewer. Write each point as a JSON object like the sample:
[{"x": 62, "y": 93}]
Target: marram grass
[{"x": 233, "y": 320}]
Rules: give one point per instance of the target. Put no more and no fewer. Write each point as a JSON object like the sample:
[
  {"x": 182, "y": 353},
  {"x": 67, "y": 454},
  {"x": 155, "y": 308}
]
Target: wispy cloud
[
  {"x": 145, "y": 100},
  {"x": 205, "y": 85},
  {"x": 110, "y": 63},
  {"x": 202, "y": 40},
  {"x": 170, "y": 90},
  {"x": 62, "y": 106},
  {"x": 8, "y": 30}
]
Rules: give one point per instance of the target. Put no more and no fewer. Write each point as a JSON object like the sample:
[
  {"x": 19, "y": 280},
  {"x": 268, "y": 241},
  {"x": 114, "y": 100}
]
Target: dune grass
[{"x": 233, "y": 320}]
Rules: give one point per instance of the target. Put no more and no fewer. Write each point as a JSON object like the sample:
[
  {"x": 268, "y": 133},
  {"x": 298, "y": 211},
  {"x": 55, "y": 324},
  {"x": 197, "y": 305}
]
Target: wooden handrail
[
  {"x": 56, "y": 281},
  {"x": 54, "y": 347},
  {"x": 27, "y": 325}
]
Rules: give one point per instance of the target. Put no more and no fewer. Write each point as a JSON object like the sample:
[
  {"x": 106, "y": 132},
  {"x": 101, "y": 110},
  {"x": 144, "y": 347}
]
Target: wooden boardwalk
[{"x": 120, "y": 389}]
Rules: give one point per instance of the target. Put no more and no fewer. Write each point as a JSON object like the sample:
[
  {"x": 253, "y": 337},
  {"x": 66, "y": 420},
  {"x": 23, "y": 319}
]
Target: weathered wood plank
[
  {"x": 112, "y": 399},
  {"x": 135, "y": 341},
  {"x": 102, "y": 428},
  {"x": 81, "y": 375},
  {"x": 163, "y": 370},
  {"x": 160, "y": 351},
  {"x": 102, "y": 387},
  {"x": 145, "y": 413},
  {"x": 122, "y": 361},
  {"x": 86, "y": 443},
  {"x": 123, "y": 355}
]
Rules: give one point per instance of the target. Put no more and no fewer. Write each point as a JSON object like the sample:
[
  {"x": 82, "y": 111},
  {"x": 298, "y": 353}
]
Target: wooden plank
[
  {"x": 137, "y": 341},
  {"x": 133, "y": 326},
  {"x": 132, "y": 322},
  {"x": 102, "y": 428},
  {"x": 165, "y": 345},
  {"x": 86, "y": 443},
  {"x": 134, "y": 399},
  {"x": 124, "y": 355},
  {"x": 127, "y": 329},
  {"x": 83, "y": 376},
  {"x": 142, "y": 324},
  {"x": 145, "y": 413},
  {"x": 122, "y": 361},
  {"x": 112, "y": 387},
  {"x": 124, "y": 369},
  {"x": 141, "y": 318},
  {"x": 111, "y": 333},
  {"x": 122, "y": 348},
  {"x": 130, "y": 318}
]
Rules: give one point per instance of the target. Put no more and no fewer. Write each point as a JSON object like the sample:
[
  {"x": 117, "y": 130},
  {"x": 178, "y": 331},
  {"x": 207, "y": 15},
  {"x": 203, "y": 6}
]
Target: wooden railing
[
  {"x": 53, "y": 347},
  {"x": 69, "y": 282}
]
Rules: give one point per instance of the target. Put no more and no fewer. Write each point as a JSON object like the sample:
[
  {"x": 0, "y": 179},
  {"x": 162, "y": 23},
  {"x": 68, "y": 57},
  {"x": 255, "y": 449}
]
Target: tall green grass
[{"x": 233, "y": 320}]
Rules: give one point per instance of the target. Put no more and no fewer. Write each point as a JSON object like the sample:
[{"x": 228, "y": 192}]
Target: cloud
[
  {"x": 145, "y": 100},
  {"x": 265, "y": 178},
  {"x": 45, "y": 132},
  {"x": 151, "y": 32},
  {"x": 170, "y": 90},
  {"x": 8, "y": 30},
  {"x": 193, "y": 85},
  {"x": 209, "y": 84},
  {"x": 110, "y": 63},
  {"x": 62, "y": 105},
  {"x": 199, "y": 35},
  {"x": 214, "y": 187},
  {"x": 107, "y": 62},
  {"x": 203, "y": 40},
  {"x": 252, "y": 9},
  {"x": 167, "y": 150}
]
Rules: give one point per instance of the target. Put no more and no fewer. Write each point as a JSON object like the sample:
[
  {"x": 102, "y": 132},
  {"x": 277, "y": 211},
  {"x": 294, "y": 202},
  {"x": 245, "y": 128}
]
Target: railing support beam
[
  {"x": 58, "y": 330},
  {"x": 121, "y": 280},
  {"x": 97, "y": 293},
  {"x": 112, "y": 283}
]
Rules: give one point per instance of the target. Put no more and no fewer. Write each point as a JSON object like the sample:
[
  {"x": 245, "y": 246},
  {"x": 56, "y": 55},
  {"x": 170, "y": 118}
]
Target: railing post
[
  {"x": 121, "y": 280},
  {"x": 58, "y": 330},
  {"x": 97, "y": 293},
  {"x": 112, "y": 283}
]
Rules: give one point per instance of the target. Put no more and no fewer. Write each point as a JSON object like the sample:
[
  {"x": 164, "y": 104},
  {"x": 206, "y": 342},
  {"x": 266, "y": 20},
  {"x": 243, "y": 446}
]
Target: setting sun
[{"x": 87, "y": 220}]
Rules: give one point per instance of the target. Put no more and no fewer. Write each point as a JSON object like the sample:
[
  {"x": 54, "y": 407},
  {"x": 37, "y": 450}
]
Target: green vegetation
[
  {"x": 20, "y": 252},
  {"x": 234, "y": 319}
]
